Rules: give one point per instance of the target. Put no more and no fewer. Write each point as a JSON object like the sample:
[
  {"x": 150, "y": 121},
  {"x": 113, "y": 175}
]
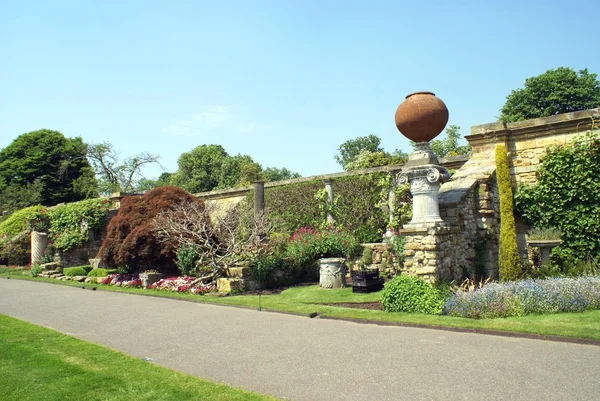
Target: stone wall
[{"x": 527, "y": 141}]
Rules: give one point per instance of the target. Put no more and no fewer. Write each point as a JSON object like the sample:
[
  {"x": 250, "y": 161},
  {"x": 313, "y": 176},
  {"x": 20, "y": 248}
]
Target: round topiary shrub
[
  {"x": 99, "y": 272},
  {"x": 74, "y": 271},
  {"x": 411, "y": 294}
]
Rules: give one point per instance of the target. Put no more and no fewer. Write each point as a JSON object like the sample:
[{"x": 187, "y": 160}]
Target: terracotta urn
[{"x": 421, "y": 116}]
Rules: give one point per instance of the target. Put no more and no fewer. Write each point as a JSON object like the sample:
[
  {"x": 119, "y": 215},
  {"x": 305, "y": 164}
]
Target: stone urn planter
[
  {"x": 365, "y": 281},
  {"x": 421, "y": 116},
  {"x": 545, "y": 246},
  {"x": 149, "y": 278},
  {"x": 332, "y": 273}
]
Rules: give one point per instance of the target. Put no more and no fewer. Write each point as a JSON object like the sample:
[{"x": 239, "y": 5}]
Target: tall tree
[
  {"x": 449, "y": 146},
  {"x": 349, "y": 150},
  {"x": 279, "y": 174},
  {"x": 114, "y": 175},
  {"x": 45, "y": 167},
  {"x": 562, "y": 90}
]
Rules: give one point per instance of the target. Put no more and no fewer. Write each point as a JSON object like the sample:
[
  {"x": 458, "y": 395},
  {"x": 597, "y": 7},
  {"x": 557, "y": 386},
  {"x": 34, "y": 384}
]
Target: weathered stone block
[{"x": 238, "y": 272}]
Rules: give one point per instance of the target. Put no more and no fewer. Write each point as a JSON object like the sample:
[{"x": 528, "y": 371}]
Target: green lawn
[
  {"x": 40, "y": 364},
  {"x": 307, "y": 299}
]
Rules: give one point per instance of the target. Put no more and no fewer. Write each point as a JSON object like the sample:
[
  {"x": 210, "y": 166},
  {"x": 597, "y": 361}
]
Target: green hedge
[
  {"x": 360, "y": 205},
  {"x": 77, "y": 271},
  {"x": 99, "y": 272},
  {"x": 294, "y": 206}
]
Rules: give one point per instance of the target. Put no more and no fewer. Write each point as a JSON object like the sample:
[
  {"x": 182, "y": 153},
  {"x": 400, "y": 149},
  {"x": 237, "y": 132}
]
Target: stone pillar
[
  {"x": 259, "y": 205},
  {"x": 259, "y": 197},
  {"x": 392, "y": 198},
  {"x": 329, "y": 191},
  {"x": 39, "y": 243}
]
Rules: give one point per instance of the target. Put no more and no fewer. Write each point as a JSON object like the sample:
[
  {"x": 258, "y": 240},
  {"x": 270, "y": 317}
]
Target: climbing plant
[{"x": 567, "y": 196}]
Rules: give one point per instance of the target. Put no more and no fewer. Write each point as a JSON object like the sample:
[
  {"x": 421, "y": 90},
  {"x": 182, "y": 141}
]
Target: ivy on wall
[
  {"x": 360, "y": 204},
  {"x": 567, "y": 197},
  {"x": 293, "y": 206}
]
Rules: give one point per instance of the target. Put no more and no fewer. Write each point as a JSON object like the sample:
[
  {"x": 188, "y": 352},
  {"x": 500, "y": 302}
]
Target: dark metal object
[{"x": 365, "y": 281}]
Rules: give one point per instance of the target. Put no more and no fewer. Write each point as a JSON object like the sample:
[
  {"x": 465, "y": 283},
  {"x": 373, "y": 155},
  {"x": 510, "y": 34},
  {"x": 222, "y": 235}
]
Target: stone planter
[
  {"x": 332, "y": 273},
  {"x": 365, "y": 281},
  {"x": 39, "y": 243},
  {"x": 545, "y": 247},
  {"x": 148, "y": 279}
]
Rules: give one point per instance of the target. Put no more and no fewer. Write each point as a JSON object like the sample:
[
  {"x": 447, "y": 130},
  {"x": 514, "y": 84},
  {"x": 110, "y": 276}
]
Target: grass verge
[
  {"x": 308, "y": 299},
  {"x": 40, "y": 364}
]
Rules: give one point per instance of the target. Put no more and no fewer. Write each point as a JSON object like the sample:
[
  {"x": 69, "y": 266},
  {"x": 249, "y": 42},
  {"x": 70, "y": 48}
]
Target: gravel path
[{"x": 299, "y": 358}]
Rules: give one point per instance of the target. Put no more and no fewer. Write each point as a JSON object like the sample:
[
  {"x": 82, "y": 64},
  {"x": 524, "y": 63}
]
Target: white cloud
[{"x": 211, "y": 119}]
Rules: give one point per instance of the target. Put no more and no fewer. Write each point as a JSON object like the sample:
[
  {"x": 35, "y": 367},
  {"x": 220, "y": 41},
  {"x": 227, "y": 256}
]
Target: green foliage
[
  {"x": 567, "y": 196},
  {"x": 77, "y": 271},
  {"x": 509, "y": 264},
  {"x": 279, "y": 174},
  {"x": 17, "y": 221},
  {"x": 293, "y": 206},
  {"x": 308, "y": 245},
  {"x": 544, "y": 234},
  {"x": 99, "y": 272},
  {"x": 35, "y": 270},
  {"x": 562, "y": 90},
  {"x": 16, "y": 251},
  {"x": 362, "y": 205},
  {"x": 187, "y": 258},
  {"x": 45, "y": 167},
  {"x": 412, "y": 295},
  {"x": 449, "y": 146},
  {"x": 349, "y": 150},
  {"x": 69, "y": 224},
  {"x": 367, "y": 159},
  {"x": 367, "y": 257}
]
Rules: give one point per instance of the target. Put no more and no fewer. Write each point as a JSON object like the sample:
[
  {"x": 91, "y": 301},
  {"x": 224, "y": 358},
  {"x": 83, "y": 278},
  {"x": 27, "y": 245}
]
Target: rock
[
  {"x": 88, "y": 279},
  {"x": 52, "y": 266},
  {"x": 238, "y": 272},
  {"x": 229, "y": 284},
  {"x": 79, "y": 278}
]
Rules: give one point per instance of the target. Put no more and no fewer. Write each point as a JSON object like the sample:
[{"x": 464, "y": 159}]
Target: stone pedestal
[
  {"x": 425, "y": 175},
  {"x": 39, "y": 243}
]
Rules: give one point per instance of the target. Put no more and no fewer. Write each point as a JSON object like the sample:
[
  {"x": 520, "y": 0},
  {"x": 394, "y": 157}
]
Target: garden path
[{"x": 299, "y": 358}]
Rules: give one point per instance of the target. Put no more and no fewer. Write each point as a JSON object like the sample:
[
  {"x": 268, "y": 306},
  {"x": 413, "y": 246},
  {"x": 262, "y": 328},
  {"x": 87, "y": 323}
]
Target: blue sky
[{"x": 284, "y": 81}]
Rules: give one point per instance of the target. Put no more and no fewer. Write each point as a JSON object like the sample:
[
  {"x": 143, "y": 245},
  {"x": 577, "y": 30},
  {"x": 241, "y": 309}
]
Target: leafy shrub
[
  {"x": 307, "y": 245},
  {"x": 16, "y": 251},
  {"x": 130, "y": 236},
  {"x": 35, "y": 270},
  {"x": 75, "y": 271},
  {"x": 17, "y": 222},
  {"x": 99, "y": 272},
  {"x": 509, "y": 263},
  {"x": 265, "y": 268},
  {"x": 567, "y": 195},
  {"x": 187, "y": 257},
  {"x": 69, "y": 224},
  {"x": 551, "y": 295},
  {"x": 411, "y": 294},
  {"x": 367, "y": 257}
]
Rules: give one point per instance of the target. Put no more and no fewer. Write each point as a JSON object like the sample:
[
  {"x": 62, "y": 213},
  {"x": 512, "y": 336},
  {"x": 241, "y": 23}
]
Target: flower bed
[
  {"x": 175, "y": 284},
  {"x": 524, "y": 297},
  {"x": 182, "y": 284}
]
